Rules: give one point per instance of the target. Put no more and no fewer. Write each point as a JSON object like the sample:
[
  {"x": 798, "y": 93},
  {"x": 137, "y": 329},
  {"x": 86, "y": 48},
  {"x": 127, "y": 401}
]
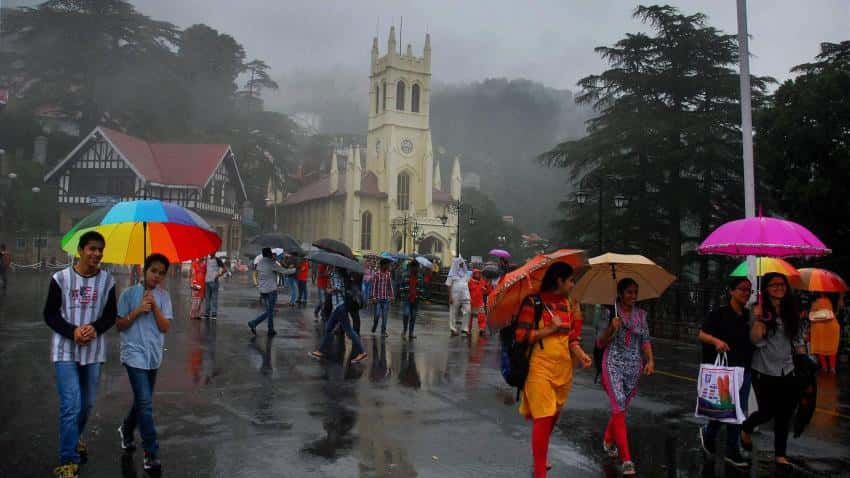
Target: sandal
[
  {"x": 361, "y": 357},
  {"x": 610, "y": 450},
  {"x": 316, "y": 355}
]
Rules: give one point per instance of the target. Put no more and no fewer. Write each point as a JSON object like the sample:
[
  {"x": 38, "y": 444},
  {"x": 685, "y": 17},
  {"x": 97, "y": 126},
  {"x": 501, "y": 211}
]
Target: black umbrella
[
  {"x": 336, "y": 260},
  {"x": 283, "y": 241},
  {"x": 491, "y": 271},
  {"x": 337, "y": 247}
]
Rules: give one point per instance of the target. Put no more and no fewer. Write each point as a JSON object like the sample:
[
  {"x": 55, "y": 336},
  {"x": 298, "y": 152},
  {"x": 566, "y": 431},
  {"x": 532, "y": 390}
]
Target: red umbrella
[
  {"x": 822, "y": 280},
  {"x": 506, "y": 298}
]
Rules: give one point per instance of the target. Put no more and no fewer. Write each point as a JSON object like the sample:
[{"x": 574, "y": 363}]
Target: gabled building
[{"x": 108, "y": 166}]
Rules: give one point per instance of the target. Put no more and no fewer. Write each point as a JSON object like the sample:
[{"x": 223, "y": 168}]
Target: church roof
[{"x": 321, "y": 189}]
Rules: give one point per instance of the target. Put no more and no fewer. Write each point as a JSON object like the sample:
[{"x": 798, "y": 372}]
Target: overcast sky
[{"x": 550, "y": 41}]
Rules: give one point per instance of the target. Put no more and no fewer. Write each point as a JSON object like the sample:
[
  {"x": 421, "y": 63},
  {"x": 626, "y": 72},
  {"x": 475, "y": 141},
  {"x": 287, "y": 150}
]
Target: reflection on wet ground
[{"x": 231, "y": 404}]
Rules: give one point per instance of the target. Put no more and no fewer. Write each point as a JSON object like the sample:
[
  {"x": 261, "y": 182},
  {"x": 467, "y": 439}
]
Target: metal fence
[{"x": 685, "y": 302}]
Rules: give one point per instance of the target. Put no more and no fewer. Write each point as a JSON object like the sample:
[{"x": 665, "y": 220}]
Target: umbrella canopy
[
  {"x": 821, "y": 280},
  {"x": 763, "y": 236},
  {"x": 598, "y": 285},
  {"x": 424, "y": 262},
  {"x": 766, "y": 265},
  {"x": 506, "y": 298},
  {"x": 278, "y": 241},
  {"x": 133, "y": 229},
  {"x": 337, "y": 247},
  {"x": 500, "y": 253},
  {"x": 336, "y": 260},
  {"x": 491, "y": 271}
]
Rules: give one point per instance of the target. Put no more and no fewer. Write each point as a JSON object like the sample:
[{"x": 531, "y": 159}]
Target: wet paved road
[{"x": 230, "y": 405}]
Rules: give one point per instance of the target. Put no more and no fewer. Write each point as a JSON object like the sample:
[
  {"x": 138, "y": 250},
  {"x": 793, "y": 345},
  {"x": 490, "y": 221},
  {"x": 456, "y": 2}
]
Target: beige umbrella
[{"x": 598, "y": 284}]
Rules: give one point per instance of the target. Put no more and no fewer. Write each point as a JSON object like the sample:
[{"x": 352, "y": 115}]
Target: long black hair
[
  {"x": 624, "y": 284},
  {"x": 558, "y": 270},
  {"x": 788, "y": 309}
]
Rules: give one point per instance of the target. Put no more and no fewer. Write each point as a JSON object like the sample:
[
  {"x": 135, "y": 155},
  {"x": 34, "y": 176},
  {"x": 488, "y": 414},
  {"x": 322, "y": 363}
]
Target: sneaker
[
  {"x": 610, "y": 450},
  {"x": 384, "y": 334},
  {"x": 707, "y": 446},
  {"x": 214, "y": 317},
  {"x": 83, "y": 451},
  {"x": 253, "y": 329},
  {"x": 204, "y": 316},
  {"x": 736, "y": 460},
  {"x": 454, "y": 333},
  {"x": 272, "y": 333},
  {"x": 464, "y": 332},
  {"x": 629, "y": 468},
  {"x": 411, "y": 337},
  {"x": 151, "y": 462},
  {"x": 126, "y": 442},
  {"x": 68, "y": 470}
]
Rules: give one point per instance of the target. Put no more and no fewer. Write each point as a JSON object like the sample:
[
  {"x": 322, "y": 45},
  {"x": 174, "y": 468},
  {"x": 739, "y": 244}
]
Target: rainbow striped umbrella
[
  {"x": 134, "y": 228},
  {"x": 822, "y": 280},
  {"x": 765, "y": 265}
]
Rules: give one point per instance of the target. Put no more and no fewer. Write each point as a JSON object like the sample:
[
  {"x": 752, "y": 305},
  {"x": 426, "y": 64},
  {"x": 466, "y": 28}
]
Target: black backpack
[
  {"x": 515, "y": 356},
  {"x": 598, "y": 353}
]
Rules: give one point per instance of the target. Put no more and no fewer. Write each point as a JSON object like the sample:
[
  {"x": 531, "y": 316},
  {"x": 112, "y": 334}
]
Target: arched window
[
  {"x": 399, "y": 96},
  {"x": 403, "y": 192},
  {"x": 384, "y": 100},
  {"x": 366, "y": 231},
  {"x": 414, "y": 99},
  {"x": 377, "y": 98}
]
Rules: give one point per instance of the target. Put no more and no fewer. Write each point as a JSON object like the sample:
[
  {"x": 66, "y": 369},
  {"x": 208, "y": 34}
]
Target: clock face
[{"x": 406, "y": 146}]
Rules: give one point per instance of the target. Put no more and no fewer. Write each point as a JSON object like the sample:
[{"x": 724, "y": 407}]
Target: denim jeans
[
  {"x": 408, "y": 316},
  {"x": 77, "y": 386},
  {"x": 321, "y": 301},
  {"x": 302, "y": 291},
  {"x": 141, "y": 413},
  {"x": 382, "y": 310},
  {"x": 211, "y": 298},
  {"x": 292, "y": 283},
  {"x": 270, "y": 299},
  {"x": 733, "y": 432},
  {"x": 340, "y": 316}
]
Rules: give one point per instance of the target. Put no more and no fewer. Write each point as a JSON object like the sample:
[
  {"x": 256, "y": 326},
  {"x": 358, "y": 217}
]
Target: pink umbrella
[
  {"x": 500, "y": 253},
  {"x": 763, "y": 236}
]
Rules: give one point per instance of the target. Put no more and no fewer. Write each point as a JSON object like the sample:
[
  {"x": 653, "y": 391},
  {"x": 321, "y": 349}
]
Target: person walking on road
[
  {"x": 457, "y": 282},
  {"x": 627, "y": 352},
  {"x": 555, "y": 343},
  {"x": 776, "y": 334},
  {"x": 80, "y": 308},
  {"x": 321, "y": 281},
  {"x": 337, "y": 285},
  {"x": 825, "y": 333},
  {"x": 727, "y": 330},
  {"x": 267, "y": 273},
  {"x": 5, "y": 265},
  {"x": 144, "y": 317},
  {"x": 411, "y": 293},
  {"x": 215, "y": 269},
  {"x": 382, "y": 294},
  {"x": 479, "y": 287},
  {"x": 302, "y": 276}
]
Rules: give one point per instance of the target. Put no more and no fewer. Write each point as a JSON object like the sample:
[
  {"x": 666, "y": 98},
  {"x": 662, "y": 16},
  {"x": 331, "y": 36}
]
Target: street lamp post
[
  {"x": 408, "y": 225},
  {"x": 621, "y": 201},
  {"x": 459, "y": 209}
]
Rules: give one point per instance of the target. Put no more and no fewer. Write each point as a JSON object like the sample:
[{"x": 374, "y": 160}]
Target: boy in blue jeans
[{"x": 144, "y": 316}]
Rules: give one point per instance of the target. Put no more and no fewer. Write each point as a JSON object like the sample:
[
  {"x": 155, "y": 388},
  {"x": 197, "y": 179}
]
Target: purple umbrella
[
  {"x": 763, "y": 236},
  {"x": 500, "y": 253}
]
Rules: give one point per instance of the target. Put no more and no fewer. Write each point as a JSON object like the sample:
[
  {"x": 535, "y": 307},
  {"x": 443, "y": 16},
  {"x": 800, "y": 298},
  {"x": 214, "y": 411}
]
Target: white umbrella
[
  {"x": 424, "y": 262},
  {"x": 598, "y": 283}
]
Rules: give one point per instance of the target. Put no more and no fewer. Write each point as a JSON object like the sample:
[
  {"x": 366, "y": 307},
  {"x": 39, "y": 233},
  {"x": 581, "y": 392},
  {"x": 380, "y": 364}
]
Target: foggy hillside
[{"x": 497, "y": 126}]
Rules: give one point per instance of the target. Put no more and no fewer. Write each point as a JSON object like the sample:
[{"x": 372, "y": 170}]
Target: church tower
[{"x": 398, "y": 143}]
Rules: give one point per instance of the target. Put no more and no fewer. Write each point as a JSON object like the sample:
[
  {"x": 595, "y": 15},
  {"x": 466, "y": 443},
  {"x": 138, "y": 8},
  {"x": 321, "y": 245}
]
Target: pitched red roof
[
  {"x": 164, "y": 163},
  {"x": 321, "y": 189}
]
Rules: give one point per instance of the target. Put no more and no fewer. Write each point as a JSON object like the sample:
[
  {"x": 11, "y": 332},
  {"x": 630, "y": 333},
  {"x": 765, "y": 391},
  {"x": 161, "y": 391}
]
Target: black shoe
[
  {"x": 253, "y": 329},
  {"x": 735, "y": 459},
  {"x": 151, "y": 463},
  {"x": 707, "y": 446},
  {"x": 127, "y": 443},
  {"x": 272, "y": 333},
  {"x": 83, "y": 451}
]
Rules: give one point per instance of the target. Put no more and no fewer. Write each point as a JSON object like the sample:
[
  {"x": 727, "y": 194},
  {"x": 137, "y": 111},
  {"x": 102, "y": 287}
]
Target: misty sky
[{"x": 552, "y": 41}]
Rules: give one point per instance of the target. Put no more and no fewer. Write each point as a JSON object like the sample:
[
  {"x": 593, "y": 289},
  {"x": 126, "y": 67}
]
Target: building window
[
  {"x": 384, "y": 97},
  {"x": 399, "y": 96},
  {"x": 403, "y": 192},
  {"x": 366, "y": 231},
  {"x": 377, "y": 98},
  {"x": 414, "y": 99}
]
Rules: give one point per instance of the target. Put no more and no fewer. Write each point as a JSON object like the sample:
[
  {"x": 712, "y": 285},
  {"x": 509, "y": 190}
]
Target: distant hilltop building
[{"x": 388, "y": 195}]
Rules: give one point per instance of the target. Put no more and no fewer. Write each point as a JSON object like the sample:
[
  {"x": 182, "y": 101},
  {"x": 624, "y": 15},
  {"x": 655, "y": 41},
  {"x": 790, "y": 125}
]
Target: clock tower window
[
  {"x": 403, "y": 192},
  {"x": 399, "y": 96},
  {"x": 414, "y": 98}
]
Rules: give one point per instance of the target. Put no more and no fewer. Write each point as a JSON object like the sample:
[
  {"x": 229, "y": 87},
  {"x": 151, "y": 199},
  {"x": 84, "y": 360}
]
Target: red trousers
[
  {"x": 541, "y": 430},
  {"x": 482, "y": 319},
  {"x": 615, "y": 432}
]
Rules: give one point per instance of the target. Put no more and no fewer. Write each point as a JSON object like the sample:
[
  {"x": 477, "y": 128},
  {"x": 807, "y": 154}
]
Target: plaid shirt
[
  {"x": 382, "y": 286},
  {"x": 337, "y": 284}
]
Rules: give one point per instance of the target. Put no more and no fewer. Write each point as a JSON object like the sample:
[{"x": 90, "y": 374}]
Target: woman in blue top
[{"x": 144, "y": 316}]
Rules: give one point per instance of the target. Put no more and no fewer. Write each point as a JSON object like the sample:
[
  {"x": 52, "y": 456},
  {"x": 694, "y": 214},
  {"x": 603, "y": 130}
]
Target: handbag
[{"x": 719, "y": 391}]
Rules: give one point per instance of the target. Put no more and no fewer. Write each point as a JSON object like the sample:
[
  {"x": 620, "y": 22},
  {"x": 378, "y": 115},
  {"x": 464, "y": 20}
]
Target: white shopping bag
[{"x": 719, "y": 391}]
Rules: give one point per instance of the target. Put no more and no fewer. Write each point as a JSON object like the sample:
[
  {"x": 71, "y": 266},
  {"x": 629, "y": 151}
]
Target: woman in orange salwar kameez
[
  {"x": 824, "y": 333},
  {"x": 197, "y": 281},
  {"x": 555, "y": 342}
]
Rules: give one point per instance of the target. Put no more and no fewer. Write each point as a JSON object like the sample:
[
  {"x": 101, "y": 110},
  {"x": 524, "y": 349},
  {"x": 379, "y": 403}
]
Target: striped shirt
[
  {"x": 337, "y": 284},
  {"x": 74, "y": 301},
  {"x": 382, "y": 286}
]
